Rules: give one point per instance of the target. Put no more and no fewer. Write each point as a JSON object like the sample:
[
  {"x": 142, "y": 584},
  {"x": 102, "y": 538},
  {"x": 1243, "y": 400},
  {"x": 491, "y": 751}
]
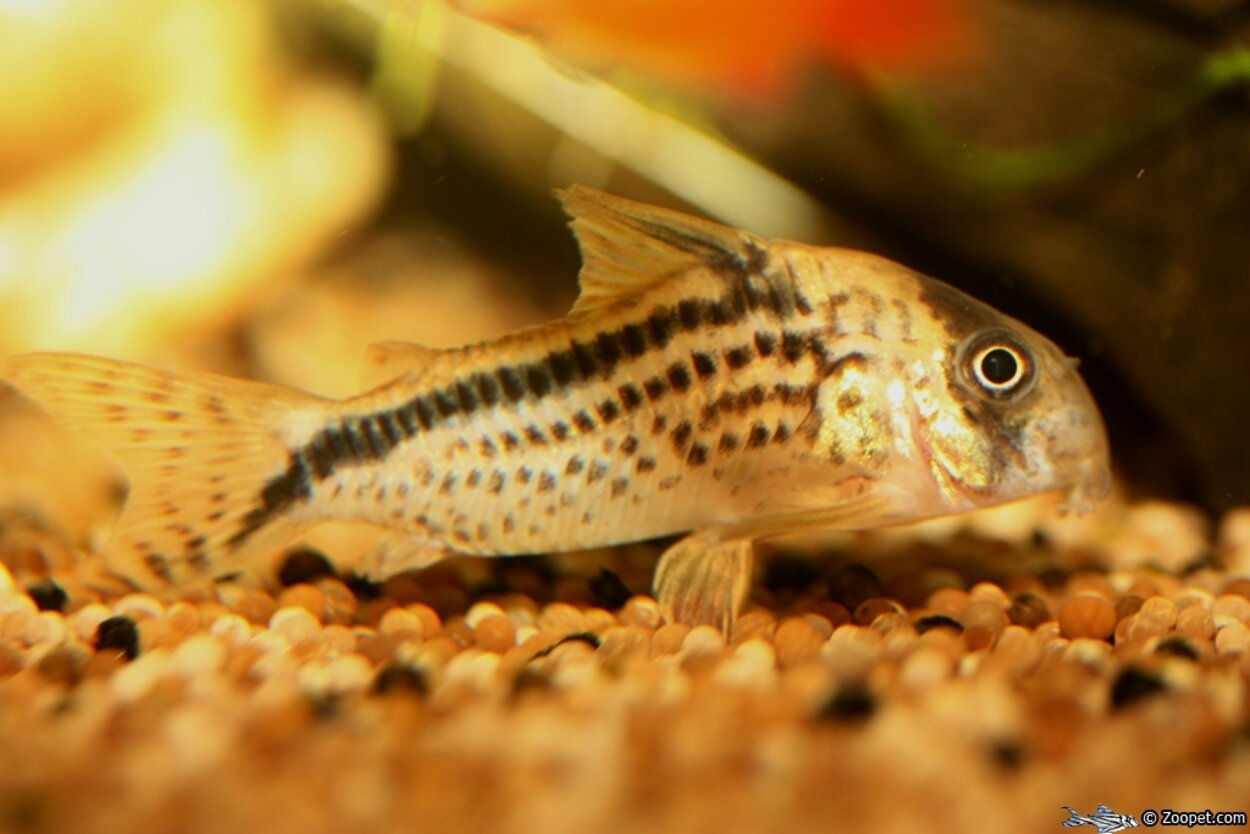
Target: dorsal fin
[
  {"x": 628, "y": 247},
  {"x": 387, "y": 361}
]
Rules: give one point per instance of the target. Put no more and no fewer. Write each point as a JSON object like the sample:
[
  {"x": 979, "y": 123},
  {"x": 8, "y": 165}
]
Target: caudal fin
[{"x": 202, "y": 453}]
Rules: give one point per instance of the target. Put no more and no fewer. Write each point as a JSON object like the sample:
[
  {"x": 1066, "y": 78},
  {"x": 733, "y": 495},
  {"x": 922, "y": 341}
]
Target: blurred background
[{"x": 264, "y": 188}]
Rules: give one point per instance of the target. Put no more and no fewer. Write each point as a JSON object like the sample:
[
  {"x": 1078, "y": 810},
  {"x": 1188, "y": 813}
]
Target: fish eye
[{"x": 998, "y": 365}]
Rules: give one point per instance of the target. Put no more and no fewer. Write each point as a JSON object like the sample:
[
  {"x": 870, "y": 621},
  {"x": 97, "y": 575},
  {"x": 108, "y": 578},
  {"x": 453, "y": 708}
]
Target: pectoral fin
[
  {"x": 396, "y": 551},
  {"x": 703, "y": 579}
]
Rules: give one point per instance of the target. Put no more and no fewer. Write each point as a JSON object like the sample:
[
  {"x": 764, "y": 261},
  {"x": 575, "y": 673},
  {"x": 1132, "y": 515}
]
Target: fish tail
[{"x": 206, "y": 455}]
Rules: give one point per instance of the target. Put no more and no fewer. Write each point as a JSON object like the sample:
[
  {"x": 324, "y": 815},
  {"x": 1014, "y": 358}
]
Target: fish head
[{"x": 1002, "y": 413}]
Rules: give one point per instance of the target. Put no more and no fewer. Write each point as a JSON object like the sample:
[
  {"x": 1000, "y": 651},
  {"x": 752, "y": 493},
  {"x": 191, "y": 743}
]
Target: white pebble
[
  {"x": 753, "y": 664},
  {"x": 232, "y": 629},
  {"x": 481, "y": 611},
  {"x": 295, "y": 623},
  {"x": 47, "y": 628},
  {"x": 7, "y": 586},
  {"x": 924, "y": 668},
  {"x": 199, "y": 654},
  {"x": 1233, "y": 638},
  {"x": 139, "y": 605},
  {"x": 85, "y": 622},
  {"x": 703, "y": 639}
]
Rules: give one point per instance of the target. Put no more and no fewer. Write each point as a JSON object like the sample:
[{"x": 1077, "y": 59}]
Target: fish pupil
[{"x": 999, "y": 366}]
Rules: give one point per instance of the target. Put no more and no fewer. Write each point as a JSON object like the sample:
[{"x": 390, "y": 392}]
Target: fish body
[{"x": 706, "y": 380}]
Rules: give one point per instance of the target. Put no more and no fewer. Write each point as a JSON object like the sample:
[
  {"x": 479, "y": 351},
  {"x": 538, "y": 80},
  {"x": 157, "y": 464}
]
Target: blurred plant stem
[{"x": 1023, "y": 167}]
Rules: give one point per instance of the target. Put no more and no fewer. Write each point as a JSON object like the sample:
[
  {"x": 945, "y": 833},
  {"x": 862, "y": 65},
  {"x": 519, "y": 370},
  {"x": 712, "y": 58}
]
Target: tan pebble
[
  {"x": 295, "y": 624},
  {"x": 1233, "y": 638},
  {"x": 85, "y": 622},
  {"x": 231, "y": 628},
  {"x": 46, "y": 628},
  {"x": 978, "y": 638},
  {"x": 349, "y": 673},
  {"x": 10, "y": 659},
  {"x": 377, "y": 648},
  {"x": 561, "y": 618},
  {"x": 1141, "y": 628},
  {"x": 1160, "y": 609},
  {"x": 1231, "y": 607},
  {"x": 460, "y": 631},
  {"x": 598, "y": 619},
  {"x": 924, "y": 668},
  {"x": 668, "y": 639},
  {"x": 796, "y": 641},
  {"x": 852, "y": 651},
  {"x": 1087, "y": 615},
  {"x": 985, "y": 614},
  {"x": 753, "y": 625},
  {"x": 822, "y": 625},
  {"x": 1017, "y": 648},
  {"x": 138, "y": 606},
  {"x": 625, "y": 641},
  {"x": 437, "y": 650},
  {"x": 1196, "y": 622},
  {"x": 1127, "y": 606},
  {"x": 948, "y": 601},
  {"x": 7, "y": 586},
  {"x": 642, "y": 611},
  {"x": 752, "y": 664},
  {"x": 63, "y": 664},
  {"x": 431, "y": 622},
  {"x": 253, "y": 605},
  {"x": 989, "y": 592},
  {"x": 401, "y": 623},
  {"x": 1028, "y": 609},
  {"x": 834, "y": 612},
  {"x": 1239, "y": 586},
  {"x": 495, "y": 633},
  {"x": 339, "y": 639},
  {"x": 198, "y": 655},
  {"x": 1142, "y": 587},
  {"x": 153, "y": 634},
  {"x": 341, "y": 604},
  {"x": 183, "y": 617},
  {"x": 480, "y": 611},
  {"x": 1089, "y": 582},
  {"x": 703, "y": 640},
  {"x": 870, "y": 609},
  {"x": 305, "y": 596},
  {"x": 1088, "y": 651}
]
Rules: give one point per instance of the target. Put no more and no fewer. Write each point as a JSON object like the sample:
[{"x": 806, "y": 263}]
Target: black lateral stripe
[
  {"x": 563, "y": 368},
  {"x": 445, "y": 402},
  {"x": 425, "y": 412},
  {"x": 634, "y": 339},
  {"x": 585, "y": 360},
  {"x": 538, "y": 378},
  {"x": 704, "y": 365},
  {"x": 378, "y": 447},
  {"x": 487, "y": 389},
  {"x": 357, "y": 445},
  {"x": 279, "y": 494},
  {"x": 660, "y": 326},
  {"x": 390, "y": 429},
  {"x": 689, "y": 314},
  {"x": 608, "y": 349},
  {"x": 655, "y": 388},
  {"x": 467, "y": 397},
  {"x": 510, "y": 382},
  {"x": 407, "y": 418}
]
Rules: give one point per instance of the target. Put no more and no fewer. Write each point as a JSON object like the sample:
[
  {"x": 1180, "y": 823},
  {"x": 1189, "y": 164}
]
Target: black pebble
[
  {"x": 851, "y": 703},
  {"x": 609, "y": 591},
  {"x": 1132, "y": 685},
  {"x": 854, "y": 584},
  {"x": 361, "y": 587},
  {"x": 937, "y": 621},
  {"x": 398, "y": 678},
  {"x": 304, "y": 564},
  {"x": 1177, "y": 647},
  {"x": 48, "y": 596},
  {"x": 119, "y": 634},
  {"x": 1009, "y": 755},
  {"x": 588, "y": 637}
]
